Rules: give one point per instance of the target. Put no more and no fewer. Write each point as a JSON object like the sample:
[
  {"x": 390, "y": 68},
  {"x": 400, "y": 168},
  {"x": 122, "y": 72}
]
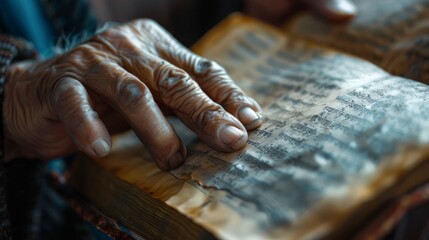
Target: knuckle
[
  {"x": 108, "y": 37},
  {"x": 211, "y": 116},
  {"x": 197, "y": 107},
  {"x": 71, "y": 101},
  {"x": 82, "y": 50},
  {"x": 148, "y": 22},
  {"x": 85, "y": 55},
  {"x": 205, "y": 68},
  {"x": 109, "y": 32},
  {"x": 132, "y": 93},
  {"x": 173, "y": 83},
  {"x": 66, "y": 89},
  {"x": 145, "y": 23},
  {"x": 78, "y": 115},
  {"x": 235, "y": 99},
  {"x": 234, "y": 95}
]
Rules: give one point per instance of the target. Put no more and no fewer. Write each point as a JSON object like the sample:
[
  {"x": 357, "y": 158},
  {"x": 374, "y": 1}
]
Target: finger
[
  {"x": 217, "y": 84},
  {"x": 72, "y": 105},
  {"x": 114, "y": 122},
  {"x": 211, "y": 78},
  {"x": 134, "y": 101},
  {"x": 333, "y": 10},
  {"x": 111, "y": 118},
  {"x": 184, "y": 97}
]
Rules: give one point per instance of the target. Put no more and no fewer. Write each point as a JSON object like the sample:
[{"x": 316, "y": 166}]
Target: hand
[
  {"x": 275, "y": 11},
  {"x": 127, "y": 76}
]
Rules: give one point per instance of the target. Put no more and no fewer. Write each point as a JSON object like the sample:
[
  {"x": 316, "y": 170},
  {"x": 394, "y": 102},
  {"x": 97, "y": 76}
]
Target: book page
[
  {"x": 377, "y": 26},
  {"x": 337, "y": 132},
  {"x": 331, "y": 122}
]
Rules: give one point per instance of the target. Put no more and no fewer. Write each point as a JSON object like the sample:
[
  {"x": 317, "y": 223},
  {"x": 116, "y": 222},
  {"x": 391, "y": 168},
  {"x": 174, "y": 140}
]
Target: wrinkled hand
[
  {"x": 275, "y": 11},
  {"x": 127, "y": 76}
]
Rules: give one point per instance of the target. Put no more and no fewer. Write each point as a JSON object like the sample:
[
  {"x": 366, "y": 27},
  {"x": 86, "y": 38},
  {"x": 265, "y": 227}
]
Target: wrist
[
  {"x": 11, "y": 50},
  {"x": 10, "y": 147}
]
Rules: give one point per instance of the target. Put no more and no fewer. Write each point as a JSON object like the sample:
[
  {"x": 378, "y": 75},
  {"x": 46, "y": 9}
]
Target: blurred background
[{"x": 187, "y": 20}]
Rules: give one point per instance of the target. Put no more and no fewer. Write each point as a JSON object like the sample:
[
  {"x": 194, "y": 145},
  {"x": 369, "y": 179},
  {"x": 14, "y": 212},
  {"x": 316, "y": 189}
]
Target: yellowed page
[
  {"x": 378, "y": 25},
  {"x": 337, "y": 132}
]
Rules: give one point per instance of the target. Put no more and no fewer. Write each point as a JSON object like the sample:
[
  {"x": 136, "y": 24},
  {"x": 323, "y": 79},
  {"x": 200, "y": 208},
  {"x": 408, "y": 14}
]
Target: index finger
[
  {"x": 133, "y": 99},
  {"x": 211, "y": 78},
  {"x": 217, "y": 84}
]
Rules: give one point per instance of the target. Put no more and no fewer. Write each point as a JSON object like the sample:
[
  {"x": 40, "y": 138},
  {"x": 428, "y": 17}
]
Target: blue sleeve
[
  {"x": 27, "y": 19},
  {"x": 46, "y": 23}
]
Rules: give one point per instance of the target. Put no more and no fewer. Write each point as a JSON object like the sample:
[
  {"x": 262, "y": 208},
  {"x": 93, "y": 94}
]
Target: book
[{"x": 345, "y": 133}]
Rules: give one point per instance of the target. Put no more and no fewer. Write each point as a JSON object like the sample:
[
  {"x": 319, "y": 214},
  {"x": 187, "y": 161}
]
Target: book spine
[{"x": 92, "y": 215}]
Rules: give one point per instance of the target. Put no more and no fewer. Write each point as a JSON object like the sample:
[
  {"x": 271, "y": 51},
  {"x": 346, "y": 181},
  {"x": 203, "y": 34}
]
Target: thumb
[{"x": 332, "y": 10}]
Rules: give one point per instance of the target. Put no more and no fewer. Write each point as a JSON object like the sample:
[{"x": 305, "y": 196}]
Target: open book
[{"x": 342, "y": 135}]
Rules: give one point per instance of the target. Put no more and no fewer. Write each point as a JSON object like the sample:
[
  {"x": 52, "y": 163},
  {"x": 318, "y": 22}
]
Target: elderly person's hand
[
  {"x": 127, "y": 76},
  {"x": 275, "y": 11}
]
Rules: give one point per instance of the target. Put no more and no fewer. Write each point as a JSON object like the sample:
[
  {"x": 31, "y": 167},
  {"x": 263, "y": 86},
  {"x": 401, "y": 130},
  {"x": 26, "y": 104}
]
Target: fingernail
[
  {"x": 342, "y": 7},
  {"x": 176, "y": 160},
  {"x": 101, "y": 147},
  {"x": 249, "y": 118},
  {"x": 230, "y": 134}
]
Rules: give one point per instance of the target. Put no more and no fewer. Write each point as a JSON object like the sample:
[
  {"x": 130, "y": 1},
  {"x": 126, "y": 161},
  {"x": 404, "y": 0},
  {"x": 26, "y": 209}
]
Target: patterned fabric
[
  {"x": 69, "y": 17},
  {"x": 90, "y": 214},
  {"x": 11, "y": 49}
]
